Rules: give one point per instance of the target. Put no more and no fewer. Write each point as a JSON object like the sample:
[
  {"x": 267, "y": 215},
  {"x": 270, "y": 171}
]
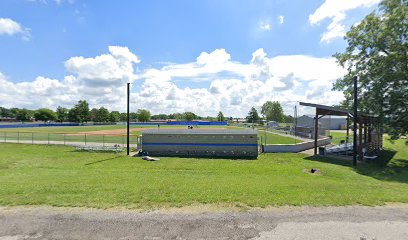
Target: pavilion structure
[{"x": 366, "y": 128}]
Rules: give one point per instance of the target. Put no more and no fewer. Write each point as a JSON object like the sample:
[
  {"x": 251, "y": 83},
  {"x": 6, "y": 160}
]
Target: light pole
[{"x": 128, "y": 118}]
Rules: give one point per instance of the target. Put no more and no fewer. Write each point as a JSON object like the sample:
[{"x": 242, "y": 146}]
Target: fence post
[
  {"x": 103, "y": 140},
  {"x": 85, "y": 139},
  {"x": 18, "y": 137},
  {"x": 32, "y": 138},
  {"x": 123, "y": 140},
  {"x": 5, "y": 136},
  {"x": 64, "y": 138},
  {"x": 48, "y": 138}
]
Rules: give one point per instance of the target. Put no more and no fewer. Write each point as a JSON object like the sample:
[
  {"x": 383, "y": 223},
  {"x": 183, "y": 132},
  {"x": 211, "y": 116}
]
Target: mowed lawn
[
  {"x": 59, "y": 176},
  {"x": 272, "y": 138}
]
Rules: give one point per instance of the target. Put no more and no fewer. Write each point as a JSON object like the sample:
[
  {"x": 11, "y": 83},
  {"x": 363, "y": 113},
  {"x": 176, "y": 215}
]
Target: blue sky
[{"x": 55, "y": 40}]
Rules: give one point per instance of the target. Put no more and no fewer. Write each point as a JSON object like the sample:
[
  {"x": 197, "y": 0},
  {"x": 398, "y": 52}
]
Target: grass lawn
[
  {"x": 272, "y": 138},
  {"x": 59, "y": 176},
  {"x": 57, "y": 133}
]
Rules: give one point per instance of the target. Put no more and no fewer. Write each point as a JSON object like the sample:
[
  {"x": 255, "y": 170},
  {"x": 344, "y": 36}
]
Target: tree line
[{"x": 81, "y": 113}]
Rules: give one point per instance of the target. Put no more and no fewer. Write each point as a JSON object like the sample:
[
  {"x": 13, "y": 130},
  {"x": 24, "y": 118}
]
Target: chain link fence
[{"x": 73, "y": 139}]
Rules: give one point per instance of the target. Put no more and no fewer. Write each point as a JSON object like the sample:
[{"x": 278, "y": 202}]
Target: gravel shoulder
[{"x": 353, "y": 222}]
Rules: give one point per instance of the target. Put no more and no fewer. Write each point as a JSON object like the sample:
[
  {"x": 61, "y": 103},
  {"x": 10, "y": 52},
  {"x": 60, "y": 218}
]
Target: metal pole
[
  {"x": 48, "y": 138},
  {"x": 32, "y": 138},
  {"x": 64, "y": 138},
  {"x": 316, "y": 132},
  {"x": 128, "y": 120},
  {"x": 85, "y": 139},
  {"x": 18, "y": 137},
  {"x": 5, "y": 136},
  {"x": 355, "y": 123},
  {"x": 103, "y": 140}
]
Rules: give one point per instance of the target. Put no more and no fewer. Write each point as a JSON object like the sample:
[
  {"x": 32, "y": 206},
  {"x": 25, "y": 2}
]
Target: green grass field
[
  {"x": 60, "y": 176},
  {"x": 57, "y": 134},
  {"x": 272, "y": 138}
]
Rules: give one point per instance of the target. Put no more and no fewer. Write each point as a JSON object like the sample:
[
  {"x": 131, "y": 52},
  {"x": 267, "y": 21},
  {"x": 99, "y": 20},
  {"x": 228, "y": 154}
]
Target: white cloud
[
  {"x": 10, "y": 27},
  {"x": 230, "y": 86},
  {"x": 265, "y": 26},
  {"x": 336, "y": 11},
  {"x": 281, "y": 19}
]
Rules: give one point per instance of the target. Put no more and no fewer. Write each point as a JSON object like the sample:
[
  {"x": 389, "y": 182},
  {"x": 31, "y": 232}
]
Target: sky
[{"x": 199, "y": 56}]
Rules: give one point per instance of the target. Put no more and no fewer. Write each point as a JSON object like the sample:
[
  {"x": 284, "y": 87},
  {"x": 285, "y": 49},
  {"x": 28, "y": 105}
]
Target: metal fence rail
[{"x": 68, "y": 139}]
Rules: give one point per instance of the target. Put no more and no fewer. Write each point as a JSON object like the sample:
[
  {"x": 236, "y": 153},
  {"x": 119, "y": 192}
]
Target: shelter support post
[
  {"x": 360, "y": 140},
  {"x": 316, "y": 132}
]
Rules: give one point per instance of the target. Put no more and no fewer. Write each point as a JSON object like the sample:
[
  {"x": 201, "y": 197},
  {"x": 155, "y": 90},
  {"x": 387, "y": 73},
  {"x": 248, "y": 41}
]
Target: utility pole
[
  {"x": 355, "y": 120},
  {"x": 128, "y": 118}
]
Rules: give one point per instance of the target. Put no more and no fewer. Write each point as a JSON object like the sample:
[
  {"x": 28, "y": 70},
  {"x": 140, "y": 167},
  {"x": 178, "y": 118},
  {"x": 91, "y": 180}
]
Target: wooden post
[
  {"x": 348, "y": 129},
  {"x": 316, "y": 132},
  {"x": 360, "y": 140}
]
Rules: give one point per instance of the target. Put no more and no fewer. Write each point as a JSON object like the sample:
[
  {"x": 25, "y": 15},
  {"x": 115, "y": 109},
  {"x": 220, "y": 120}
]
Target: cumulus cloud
[
  {"x": 234, "y": 87},
  {"x": 336, "y": 11},
  {"x": 11, "y": 27},
  {"x": 281, "y": 19}
]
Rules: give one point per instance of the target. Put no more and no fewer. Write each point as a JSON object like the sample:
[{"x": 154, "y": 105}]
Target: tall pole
[
  {"x": 355, "y": 119},
  {"x": 128, "y": 118}
]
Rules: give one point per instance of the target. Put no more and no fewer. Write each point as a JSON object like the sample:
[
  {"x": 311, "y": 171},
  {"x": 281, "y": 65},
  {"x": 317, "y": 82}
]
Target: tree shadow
[
  {"x": 102, "y": 160},
  {"x": 384, "y": 167}
]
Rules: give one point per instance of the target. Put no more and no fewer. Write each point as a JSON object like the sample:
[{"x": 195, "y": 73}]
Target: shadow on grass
[
  {"x": 385, "y": 167},
  {"x": 102, "y": 160}
]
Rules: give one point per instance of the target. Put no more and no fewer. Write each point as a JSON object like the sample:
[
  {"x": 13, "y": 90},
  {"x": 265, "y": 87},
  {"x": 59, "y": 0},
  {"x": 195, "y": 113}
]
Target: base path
[{"x": 359, "y": 223}]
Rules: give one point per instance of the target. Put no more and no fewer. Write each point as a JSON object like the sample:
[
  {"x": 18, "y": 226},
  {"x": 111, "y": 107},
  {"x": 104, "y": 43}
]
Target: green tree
[
  {"x": 143, "y": 115},
  {"x": 45, "y": 114},
  {"x": 80, "y": 112},
  {"x": 114, "y": 116},
  {"x": 377, "y": 55},
  {"x": 62, "y": 114},
  {"x": 23, "y": 115},
  {"x": 133, "y": 116},
  {"x": 220, "y": 117},
  {"x": 252, "y": 115},
  {"x": 189, "y": 116},
  {"x": 272, "y": 111},
  {"x": 102, "y": 115},
  {"x": 123, "y": 117},
  {"x": 93, "y": 115},
  {"x": 4, "y": 112}
]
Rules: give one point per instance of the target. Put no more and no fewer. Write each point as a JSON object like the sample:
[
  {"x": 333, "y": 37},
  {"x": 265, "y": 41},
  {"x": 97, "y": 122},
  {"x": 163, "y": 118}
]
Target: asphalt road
[{"x": 361, "y": 223}]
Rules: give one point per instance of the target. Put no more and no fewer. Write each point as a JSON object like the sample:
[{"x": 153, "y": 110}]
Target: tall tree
[
  {"x": 23, "y": 115},
  {"x": 93, "y": 115},
  {"x": 189, "y": 116},
  {"x": 45, "y": 114},
  {"x": 114, "y": 116},
  {"x": 220, "y": 117},
  {"x": 102, "y": 115},
  {"x": 62, "y": 114},
  {"x": 272, "y": 111},
  {"x": 377, "y": 54},
  {"x": 252, "y": 115},
  {"x": 82, "y": 110},
  {"x": 143, "y": 115},
  {"x": 123, "y": 117}
]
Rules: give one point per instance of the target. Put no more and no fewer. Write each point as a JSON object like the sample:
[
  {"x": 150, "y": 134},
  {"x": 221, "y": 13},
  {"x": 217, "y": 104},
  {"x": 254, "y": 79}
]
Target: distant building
[
  {"x": 330, "y": 123},
  {"x": 272, "y": 124}
]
